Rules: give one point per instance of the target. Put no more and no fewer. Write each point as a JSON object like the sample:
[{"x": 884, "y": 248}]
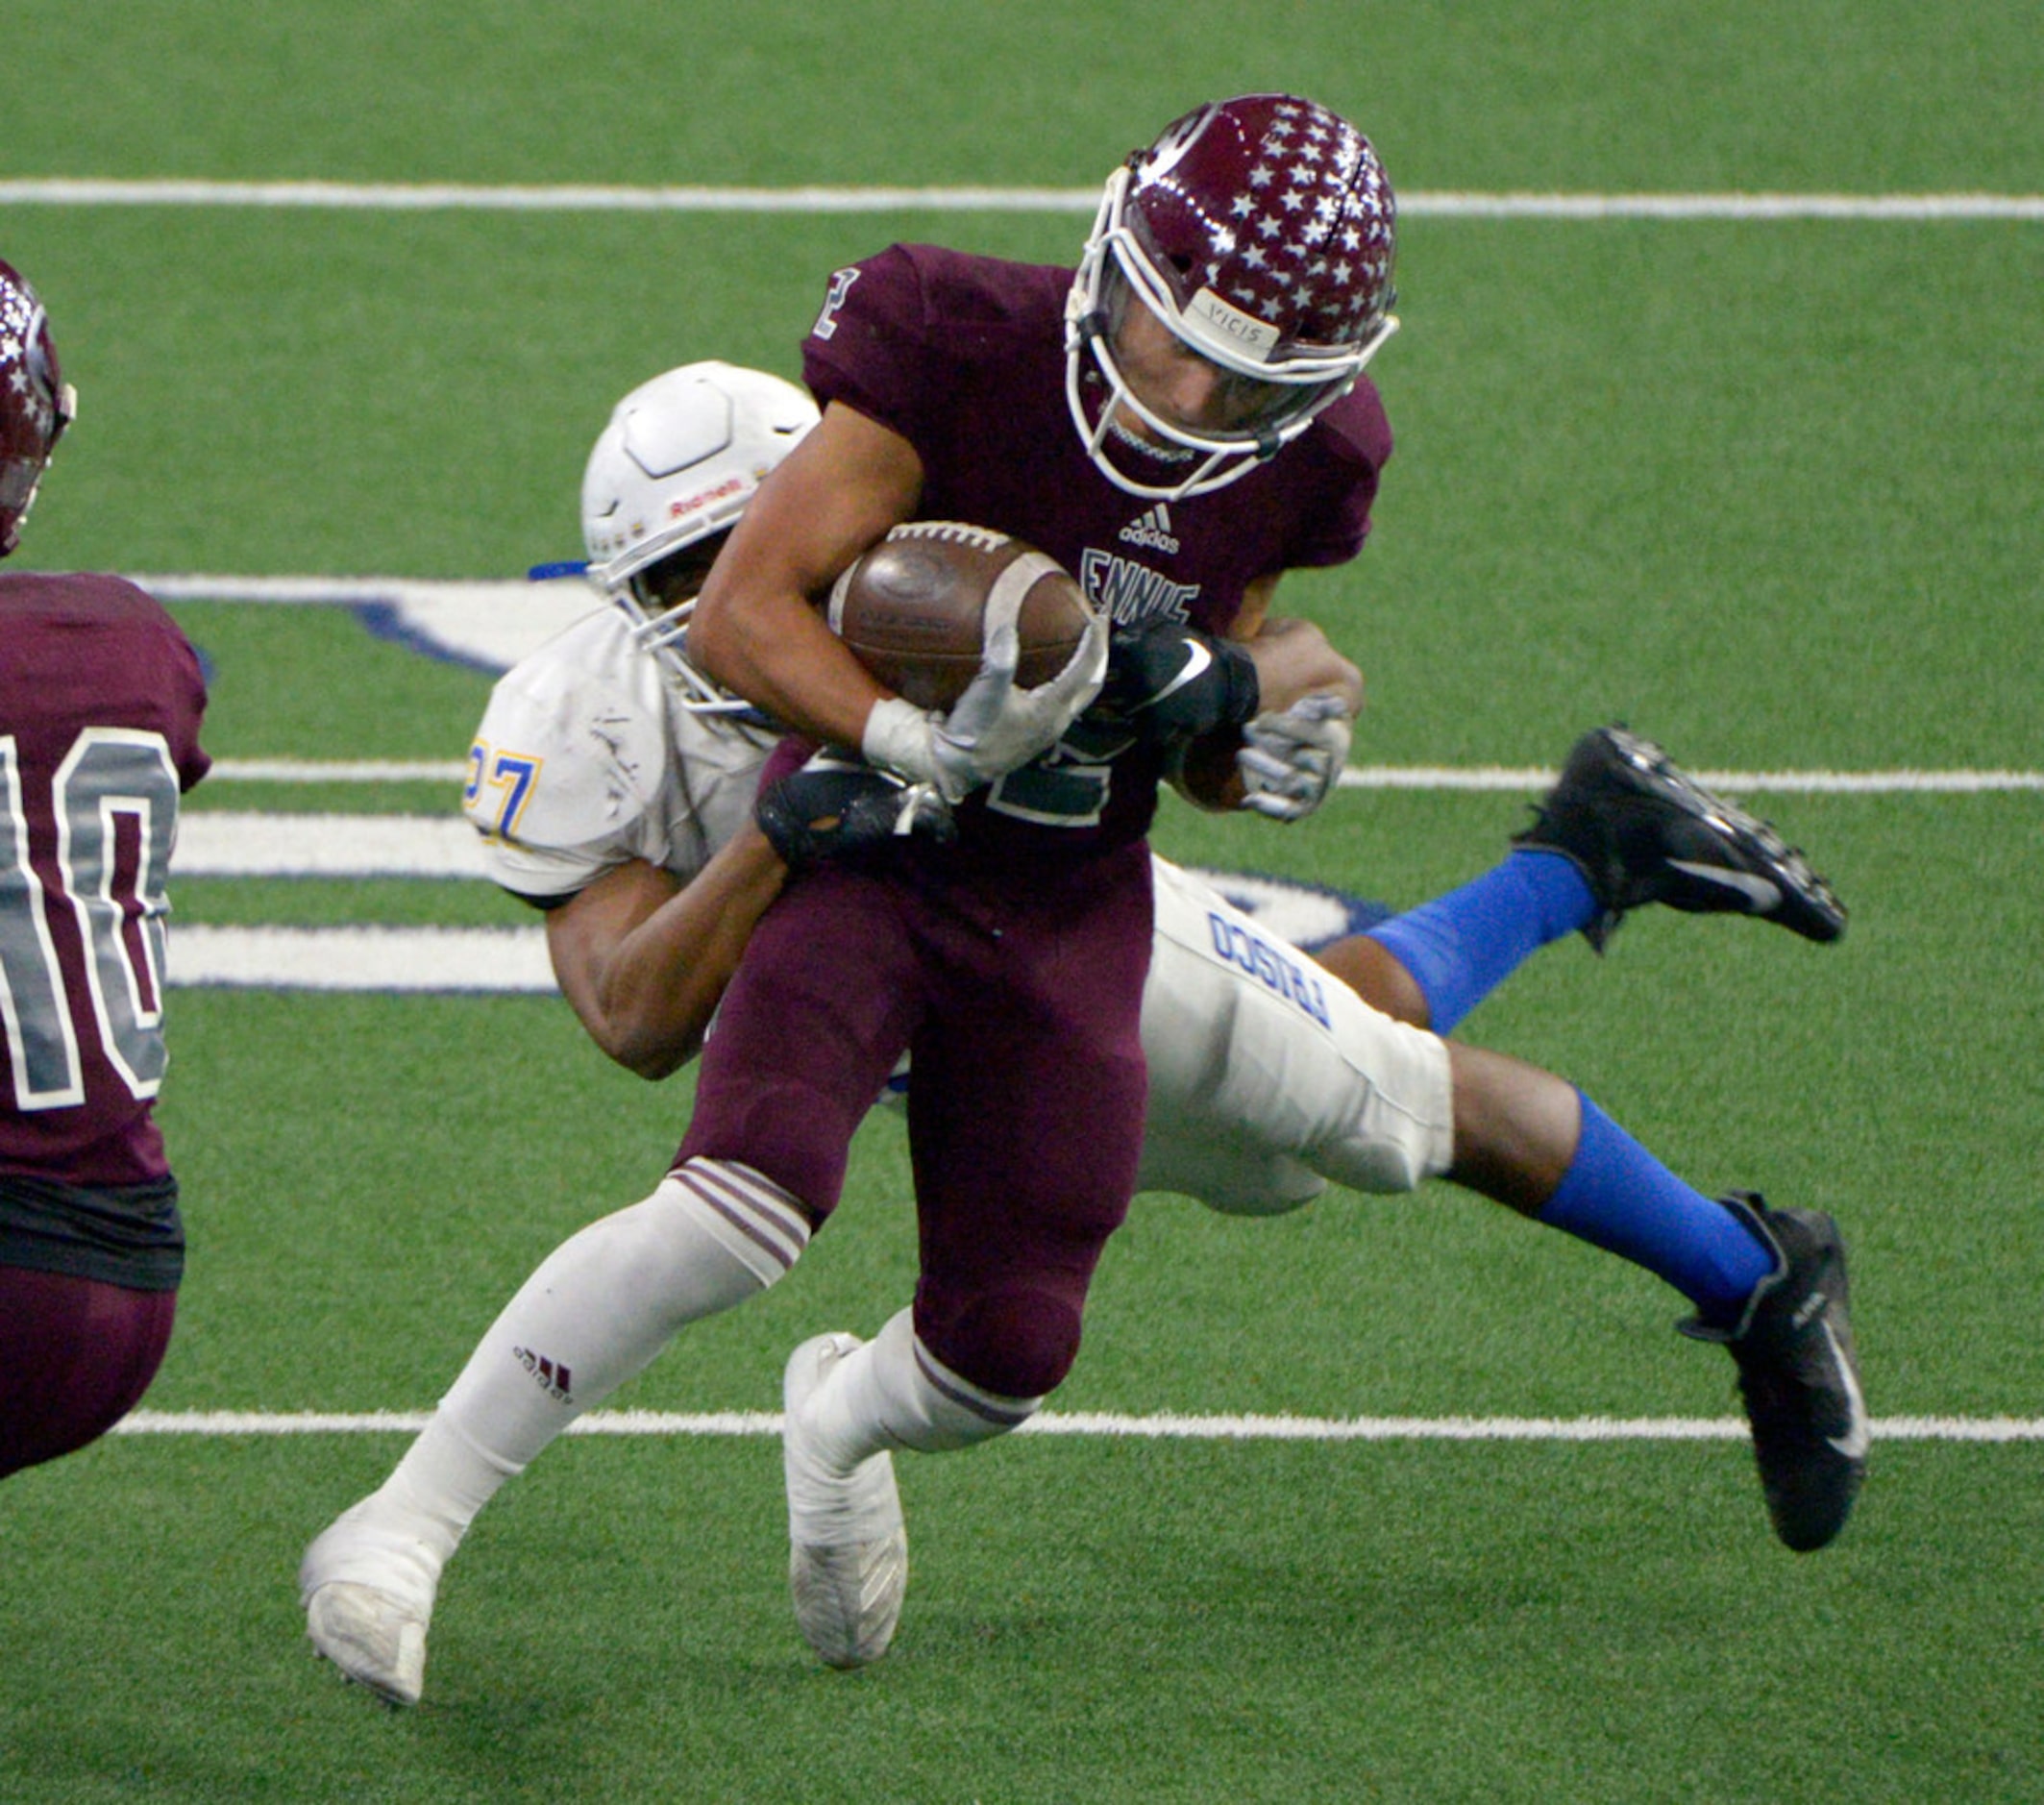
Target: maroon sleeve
[
  {"x": 1353, "y": 439},
  {"x": 868, "y": 347}
]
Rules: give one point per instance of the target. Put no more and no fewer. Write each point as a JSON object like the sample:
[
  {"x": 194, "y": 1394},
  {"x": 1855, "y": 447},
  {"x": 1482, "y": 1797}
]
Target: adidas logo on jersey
[{"x": 1152, "y": 529}]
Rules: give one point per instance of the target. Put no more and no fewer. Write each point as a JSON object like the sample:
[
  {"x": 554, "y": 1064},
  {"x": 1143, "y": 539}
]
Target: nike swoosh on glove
[
  {"x": 1291, "y": 758},
  {"x": 837, "y": 805},
  {"x": 1175, "y": 683}
]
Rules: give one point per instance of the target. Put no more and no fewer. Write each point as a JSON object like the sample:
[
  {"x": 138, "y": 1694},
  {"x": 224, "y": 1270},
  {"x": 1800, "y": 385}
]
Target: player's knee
[
  {"x": 85, "y": 1350},
  {"x": 1401, "y": 1165},
  {"x": 1406, "y": 1130},
  {"x": 1272, "y": 1202},
  {"x": 1019, "y": 1342},
  {"x": 1382, "y": 1161},
  {"x": 794, "y": 1138}
]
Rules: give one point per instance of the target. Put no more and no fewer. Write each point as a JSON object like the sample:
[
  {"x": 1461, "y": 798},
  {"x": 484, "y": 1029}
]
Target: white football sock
[
  {"x": 597, "y": 1311},
  {"x": 893, "y": 1392}
]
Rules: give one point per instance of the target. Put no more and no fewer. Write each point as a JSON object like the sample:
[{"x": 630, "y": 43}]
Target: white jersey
[
  {"x": 586, "y": 759},
  {"x": 1267, "y": 1077}
]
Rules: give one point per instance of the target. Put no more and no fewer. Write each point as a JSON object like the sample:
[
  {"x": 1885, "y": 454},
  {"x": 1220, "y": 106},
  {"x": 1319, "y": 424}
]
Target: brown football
[{"x": 914, "y": 608}]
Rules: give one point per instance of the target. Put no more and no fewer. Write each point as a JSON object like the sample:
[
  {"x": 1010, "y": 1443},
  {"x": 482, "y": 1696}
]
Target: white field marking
[
  {"x": 1159, "y": 1427},
  {"x": 334, "y": 771},
  {"x": 1524, "y": 780},
  {"x": 1901, "y": 782},
  {"x": 227, "y": 843},
  {"x": 324, "y": 591},
  {"x": 586, "y": 198},
  {"x": 495, "y": 961}
]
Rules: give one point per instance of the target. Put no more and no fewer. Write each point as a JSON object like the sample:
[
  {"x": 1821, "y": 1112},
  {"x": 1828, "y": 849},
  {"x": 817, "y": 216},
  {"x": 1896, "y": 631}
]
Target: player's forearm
[
  {"x": 774, "y": 650},
  {"x": 1294, "y": 659},
  {"x": 643, "y": 963},
  {"x": 755, "y": 628},
  {"x": 665, "y": 984}
]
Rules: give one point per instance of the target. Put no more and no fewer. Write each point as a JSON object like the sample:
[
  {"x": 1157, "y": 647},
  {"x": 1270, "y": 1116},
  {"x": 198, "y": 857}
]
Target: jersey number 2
[{"x": 110, "y": 774}]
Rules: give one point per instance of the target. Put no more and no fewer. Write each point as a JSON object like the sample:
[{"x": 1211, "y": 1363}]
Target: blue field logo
[{"x": 1304, "y": 916}]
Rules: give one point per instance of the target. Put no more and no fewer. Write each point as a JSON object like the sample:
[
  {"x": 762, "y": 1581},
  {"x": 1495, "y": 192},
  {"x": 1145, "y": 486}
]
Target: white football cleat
[
  {"x": 368, "y": 1595},
  {"x": 848, "y": 1550}
]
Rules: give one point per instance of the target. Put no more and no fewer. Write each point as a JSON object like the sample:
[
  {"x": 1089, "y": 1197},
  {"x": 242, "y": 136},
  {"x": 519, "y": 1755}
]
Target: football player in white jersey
[{"x": 615, "y": 788}]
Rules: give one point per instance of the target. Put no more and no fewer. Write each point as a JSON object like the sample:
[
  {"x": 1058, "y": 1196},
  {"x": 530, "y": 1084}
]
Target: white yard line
[
  {"x": 336, "y": 771},
  {"x": 228, "y": 843},
  {"x": 588, "y": 198},
  {"x": 438, "y": 961},
  {"x": 1904, "y": 783},
  {"x": 1505, "y": 777},
  {"x": 1157, "y": 1428}
]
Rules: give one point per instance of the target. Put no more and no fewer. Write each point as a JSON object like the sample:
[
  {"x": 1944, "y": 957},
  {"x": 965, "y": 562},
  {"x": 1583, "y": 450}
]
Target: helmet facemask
[
  {"x": 659, "y": 600},
  {"x": 1287, "y": 304}
]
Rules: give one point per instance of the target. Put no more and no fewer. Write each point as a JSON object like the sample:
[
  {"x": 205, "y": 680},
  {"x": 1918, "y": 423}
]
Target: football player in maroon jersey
[
  {"x": 1209, "y": 352},
  {"x": 100, "y": 705},
  {"x": 1179, "y": 424},
  {"x": 1012, "y": 962}
]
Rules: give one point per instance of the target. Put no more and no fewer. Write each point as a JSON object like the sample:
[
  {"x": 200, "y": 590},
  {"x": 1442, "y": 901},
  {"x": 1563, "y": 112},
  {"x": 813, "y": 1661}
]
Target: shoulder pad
[{"x": 575, "y": 744}]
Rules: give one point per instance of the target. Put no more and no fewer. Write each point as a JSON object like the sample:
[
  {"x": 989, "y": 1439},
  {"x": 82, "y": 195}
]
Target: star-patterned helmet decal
[
  {"x": 30, "y": 419},
  {"x": 1277, "y": 207}
]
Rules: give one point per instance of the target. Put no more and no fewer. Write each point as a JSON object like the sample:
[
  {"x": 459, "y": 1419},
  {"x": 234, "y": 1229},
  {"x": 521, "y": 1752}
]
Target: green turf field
[{"x": 1765, "y": 487}]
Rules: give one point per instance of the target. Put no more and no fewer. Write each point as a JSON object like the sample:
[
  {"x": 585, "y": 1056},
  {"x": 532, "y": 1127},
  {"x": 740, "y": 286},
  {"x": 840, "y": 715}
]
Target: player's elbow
[
  {"x": 714, "y": 634},
  {"x": 653, "y": 1044},
  {"x": 650, "y": 1056}
]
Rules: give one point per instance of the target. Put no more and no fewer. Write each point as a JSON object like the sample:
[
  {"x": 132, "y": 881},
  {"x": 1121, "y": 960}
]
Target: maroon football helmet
[
  {"x": 1259, "y": 232},
  {"x": 36, "y": 404}
]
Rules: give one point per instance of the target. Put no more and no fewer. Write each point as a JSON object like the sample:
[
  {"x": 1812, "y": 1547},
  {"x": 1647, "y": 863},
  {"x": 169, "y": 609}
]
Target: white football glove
[
  {"x": 1291, "y": 758},
  {"x": 994, "y": 728}
]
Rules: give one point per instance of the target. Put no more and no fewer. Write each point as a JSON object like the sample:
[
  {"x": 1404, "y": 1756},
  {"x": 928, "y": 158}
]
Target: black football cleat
[
  {"x": 1798, "y": 1375},
  {"x": 1641, "y": 829}
]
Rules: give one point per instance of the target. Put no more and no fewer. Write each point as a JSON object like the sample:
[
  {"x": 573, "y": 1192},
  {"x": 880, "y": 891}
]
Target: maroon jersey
[
  {"x": 100, "y": 705},
  {"x": 963, "y": 356}
]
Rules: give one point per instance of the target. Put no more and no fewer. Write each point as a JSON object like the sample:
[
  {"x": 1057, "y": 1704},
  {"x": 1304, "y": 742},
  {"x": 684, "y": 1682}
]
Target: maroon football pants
[
  {"x": 1020, "y": 1002},
  {"x": 76, "y": 1355}
]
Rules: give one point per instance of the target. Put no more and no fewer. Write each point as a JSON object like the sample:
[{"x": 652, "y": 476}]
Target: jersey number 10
[{"x": 110, "y": 775}]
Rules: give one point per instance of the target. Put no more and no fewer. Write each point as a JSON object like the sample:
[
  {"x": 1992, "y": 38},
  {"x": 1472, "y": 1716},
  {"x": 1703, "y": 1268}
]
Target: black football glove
[
  {"x": 837, "y": 804},
  {"x": 1176, "y": 683}
]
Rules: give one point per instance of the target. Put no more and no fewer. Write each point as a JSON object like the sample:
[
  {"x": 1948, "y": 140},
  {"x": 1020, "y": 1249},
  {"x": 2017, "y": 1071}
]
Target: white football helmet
[
  {"x": 676, "y": 467},
  {"x": 1260, "y": 230}
]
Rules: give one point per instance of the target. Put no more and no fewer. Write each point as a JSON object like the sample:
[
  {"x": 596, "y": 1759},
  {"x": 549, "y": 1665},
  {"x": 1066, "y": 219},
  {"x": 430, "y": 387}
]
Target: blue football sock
[
  {"x": 1618, "y": 1197},
  {"x": 1461, "y": 947}
]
